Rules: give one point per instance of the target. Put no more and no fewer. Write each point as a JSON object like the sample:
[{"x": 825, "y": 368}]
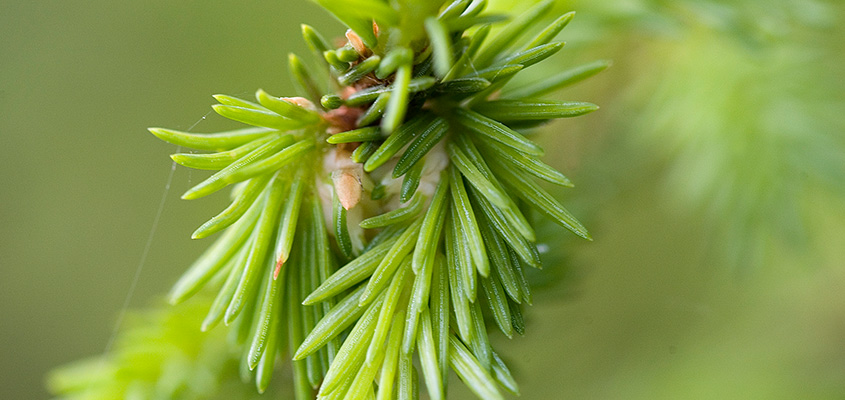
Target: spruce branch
[{"x": 384, "y": 218}]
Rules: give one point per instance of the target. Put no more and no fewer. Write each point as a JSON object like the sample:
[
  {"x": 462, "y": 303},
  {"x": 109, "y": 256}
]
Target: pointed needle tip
[{"x": 278, "y": 268}]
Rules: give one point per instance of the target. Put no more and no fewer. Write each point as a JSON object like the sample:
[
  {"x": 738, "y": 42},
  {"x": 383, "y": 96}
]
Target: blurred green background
[{"x": 713, "y": 180}]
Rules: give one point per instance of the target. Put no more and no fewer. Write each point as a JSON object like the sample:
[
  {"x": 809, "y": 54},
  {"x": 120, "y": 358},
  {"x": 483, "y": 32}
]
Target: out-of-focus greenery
[
  {"x": 160, "y": 355},
  {"x": 711, "y": 180},
  {"x": 739, "y": 103}
]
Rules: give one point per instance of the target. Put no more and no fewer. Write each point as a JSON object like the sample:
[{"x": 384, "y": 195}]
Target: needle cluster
[{"x": 383, "y": 214}]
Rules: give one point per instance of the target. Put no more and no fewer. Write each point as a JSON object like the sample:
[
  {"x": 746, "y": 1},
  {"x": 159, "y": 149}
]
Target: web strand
[{"x": 147, "y": 246}]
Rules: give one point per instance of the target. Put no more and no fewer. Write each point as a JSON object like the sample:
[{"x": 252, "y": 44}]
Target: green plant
[
  {"x": 726, "y": 100},
  {"x": 387, "y": 211}
]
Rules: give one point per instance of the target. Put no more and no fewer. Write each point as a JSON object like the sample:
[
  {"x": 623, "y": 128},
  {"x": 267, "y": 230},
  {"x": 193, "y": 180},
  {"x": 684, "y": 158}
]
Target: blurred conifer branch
[{"x": 739, "y": 103}]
